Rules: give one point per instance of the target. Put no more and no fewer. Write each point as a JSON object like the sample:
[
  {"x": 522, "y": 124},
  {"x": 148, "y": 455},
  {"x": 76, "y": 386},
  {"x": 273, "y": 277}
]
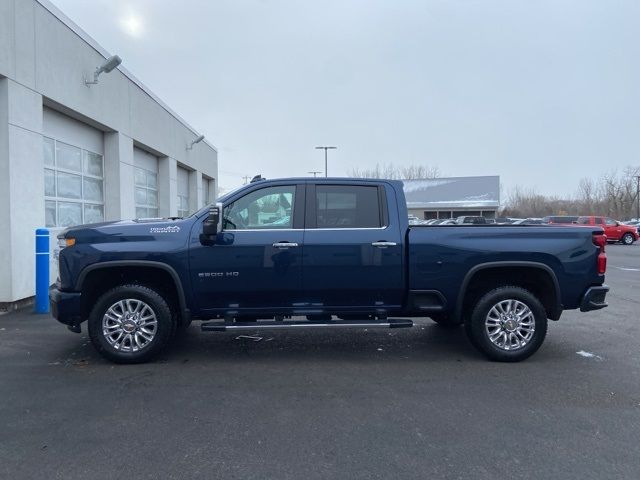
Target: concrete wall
[{"x": 43, "y": 58}]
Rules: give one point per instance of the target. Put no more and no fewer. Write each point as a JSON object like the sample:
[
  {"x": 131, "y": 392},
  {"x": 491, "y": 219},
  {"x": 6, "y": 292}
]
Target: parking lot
[{"x": 414, "y": 403}]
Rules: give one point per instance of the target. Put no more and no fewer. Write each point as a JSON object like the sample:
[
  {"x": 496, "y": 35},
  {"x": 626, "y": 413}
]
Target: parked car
[
  {"x": 327, "y": 248},
  {"x": 614, "y": 230},
  {"x": 529, "y": 221},
  {"x": 471, "y": 220},
  {"x": 634, "y": 223},
  {"x": 560, "y": 219}
]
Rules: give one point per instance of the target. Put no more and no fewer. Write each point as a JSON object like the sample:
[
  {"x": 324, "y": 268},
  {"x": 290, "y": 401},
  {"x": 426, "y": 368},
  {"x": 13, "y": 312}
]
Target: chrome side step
[{"x": 225, "y": 326}]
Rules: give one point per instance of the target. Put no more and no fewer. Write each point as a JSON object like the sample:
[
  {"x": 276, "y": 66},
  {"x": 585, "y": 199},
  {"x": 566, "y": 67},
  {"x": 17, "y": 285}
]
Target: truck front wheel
[
  {"x": 507, "y": 324},
  {"x": 130, "y": 324}
]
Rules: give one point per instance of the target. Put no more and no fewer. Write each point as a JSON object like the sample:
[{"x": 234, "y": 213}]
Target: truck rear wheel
[
  {"x": 507, "y": 324},
  {"x": 130, "y": 324},
  {"x": 627, "y": 239}
]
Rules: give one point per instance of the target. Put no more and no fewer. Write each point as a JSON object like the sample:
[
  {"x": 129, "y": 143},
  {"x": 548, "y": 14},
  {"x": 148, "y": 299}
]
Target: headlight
[{"x": 66, "y": 242}]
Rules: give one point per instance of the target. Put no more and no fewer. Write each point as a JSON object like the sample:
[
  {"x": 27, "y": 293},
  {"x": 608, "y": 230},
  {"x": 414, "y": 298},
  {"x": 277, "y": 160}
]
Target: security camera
[
  {"x": 108, "y": 65},
  {"x": 193, "y": 142}
]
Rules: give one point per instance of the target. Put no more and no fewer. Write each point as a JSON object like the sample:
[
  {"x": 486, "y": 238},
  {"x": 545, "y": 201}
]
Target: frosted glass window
[
  {"x": 73, "y": 185},
  {"x": 69, "y": 214},
  {"x": 69, "y": 185},
  {"x": 49, "y": 182},
  {"x": 146, "y": 193},
  {"x": 92, "y": 189},
  {"x": 92, "y": 164},
  {"x": 50, "y": 213},
  {"x": 93, "y": 213},
  {"x": 68, "y": 157}
]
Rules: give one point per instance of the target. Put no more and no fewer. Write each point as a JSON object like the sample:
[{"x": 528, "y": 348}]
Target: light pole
[
  {"x": 325, "y": 156},
  {"x": 637, "y": 177},
  {"x": 246, "y": 179},
  {"x": 315, "y": 173}
]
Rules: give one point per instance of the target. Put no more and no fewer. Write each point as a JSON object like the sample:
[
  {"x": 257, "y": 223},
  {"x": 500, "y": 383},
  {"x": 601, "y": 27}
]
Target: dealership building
[
  {"x": 453, "y": 197},
  {"x": 73, "y": 152}
]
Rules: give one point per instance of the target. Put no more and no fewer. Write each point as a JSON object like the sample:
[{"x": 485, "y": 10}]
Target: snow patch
[{"x": 582, "y": 353}]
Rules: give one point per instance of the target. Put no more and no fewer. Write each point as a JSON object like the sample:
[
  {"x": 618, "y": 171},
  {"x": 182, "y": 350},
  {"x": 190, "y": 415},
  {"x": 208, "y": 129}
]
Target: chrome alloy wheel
[
  {"x": 510, "y": 324},
  {"x": 129, "y": 325}
]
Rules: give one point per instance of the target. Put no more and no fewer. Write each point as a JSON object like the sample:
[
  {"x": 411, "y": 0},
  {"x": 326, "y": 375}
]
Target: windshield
[{"x": 220, "y": 199}]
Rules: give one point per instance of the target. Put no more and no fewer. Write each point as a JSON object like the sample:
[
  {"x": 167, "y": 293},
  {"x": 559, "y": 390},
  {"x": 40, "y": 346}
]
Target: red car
[{"x": 614, "y": 230}]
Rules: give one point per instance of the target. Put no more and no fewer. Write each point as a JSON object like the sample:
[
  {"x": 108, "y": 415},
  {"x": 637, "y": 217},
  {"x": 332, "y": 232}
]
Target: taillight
[{"x": 600, "y": 241}]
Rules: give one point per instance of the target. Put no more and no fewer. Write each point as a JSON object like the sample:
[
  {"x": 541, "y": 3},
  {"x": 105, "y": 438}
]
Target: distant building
[{"x": 453, "y": 196}]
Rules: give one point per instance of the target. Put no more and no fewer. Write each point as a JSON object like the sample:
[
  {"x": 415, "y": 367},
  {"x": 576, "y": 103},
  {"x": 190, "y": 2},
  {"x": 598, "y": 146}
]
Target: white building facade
[{"x": 72, "y": 153}]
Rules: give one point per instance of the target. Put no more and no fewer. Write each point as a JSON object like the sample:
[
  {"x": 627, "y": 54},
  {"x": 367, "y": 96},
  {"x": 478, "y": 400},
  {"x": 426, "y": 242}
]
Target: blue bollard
[{"x": 42, "y": 270}]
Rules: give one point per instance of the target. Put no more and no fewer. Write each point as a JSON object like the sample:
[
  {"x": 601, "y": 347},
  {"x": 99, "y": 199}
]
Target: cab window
[
  {"x": 347, "y": 206},
  {"x": 610, "y": 222},
  {"x": 267, "y": 208}
]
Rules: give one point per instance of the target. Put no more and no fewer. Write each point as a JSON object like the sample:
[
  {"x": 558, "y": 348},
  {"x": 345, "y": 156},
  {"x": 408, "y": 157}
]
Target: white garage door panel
[
  {"x": 66, "y": 129},
  {"x": 142, "y": 159}
]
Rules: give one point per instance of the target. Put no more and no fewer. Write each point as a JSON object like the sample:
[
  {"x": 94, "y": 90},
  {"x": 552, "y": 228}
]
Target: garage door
[
  {"x": 74, "y": 171},
  {"x": 145, "y": 183},
  {"x": 183, "y": 192}
]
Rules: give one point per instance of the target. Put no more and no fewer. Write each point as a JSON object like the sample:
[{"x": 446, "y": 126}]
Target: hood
[{"x": 128, "y": 230}]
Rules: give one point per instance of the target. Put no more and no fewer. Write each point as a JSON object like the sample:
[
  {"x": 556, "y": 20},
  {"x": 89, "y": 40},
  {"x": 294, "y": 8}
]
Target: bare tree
[
  {"x": 394, "y": 172},
  {"x": 613, "y": 194}
]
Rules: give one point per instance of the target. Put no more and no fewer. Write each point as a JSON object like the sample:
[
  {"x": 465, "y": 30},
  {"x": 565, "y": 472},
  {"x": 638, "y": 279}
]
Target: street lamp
[
  {"x": 325, "y": 156},
  {"x": 315, "y": 173},
  {"x": 637, "y": 177}
]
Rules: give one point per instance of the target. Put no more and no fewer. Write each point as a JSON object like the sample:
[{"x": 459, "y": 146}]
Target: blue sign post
[{"x": 42, "y": 270}]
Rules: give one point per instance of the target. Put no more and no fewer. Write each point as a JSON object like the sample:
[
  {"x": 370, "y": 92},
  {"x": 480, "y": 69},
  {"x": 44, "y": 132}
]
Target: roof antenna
[{"x": 257, "y": 178}]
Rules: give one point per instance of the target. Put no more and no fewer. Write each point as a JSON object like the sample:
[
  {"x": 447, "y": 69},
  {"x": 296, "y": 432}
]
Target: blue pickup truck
[{"x": 336, "y": 252}]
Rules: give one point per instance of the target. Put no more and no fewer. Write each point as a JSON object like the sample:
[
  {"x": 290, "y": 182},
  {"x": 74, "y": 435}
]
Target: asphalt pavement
[{"x": 389, "y": 404}]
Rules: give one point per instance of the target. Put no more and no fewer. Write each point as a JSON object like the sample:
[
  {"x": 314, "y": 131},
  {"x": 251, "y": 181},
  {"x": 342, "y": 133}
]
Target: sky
[{"x": 540, "y": 92}]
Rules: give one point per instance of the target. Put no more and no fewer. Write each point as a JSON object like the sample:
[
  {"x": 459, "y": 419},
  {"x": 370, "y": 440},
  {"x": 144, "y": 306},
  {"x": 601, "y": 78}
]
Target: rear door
[{"x": 353, "y": 248}]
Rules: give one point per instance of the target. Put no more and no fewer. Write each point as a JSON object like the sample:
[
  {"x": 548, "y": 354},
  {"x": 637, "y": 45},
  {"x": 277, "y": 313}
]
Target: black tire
[
  {"x": 478, "y": 332},
  {"x": 162, "y": 331},
  {"x": 627, "y": 239}
]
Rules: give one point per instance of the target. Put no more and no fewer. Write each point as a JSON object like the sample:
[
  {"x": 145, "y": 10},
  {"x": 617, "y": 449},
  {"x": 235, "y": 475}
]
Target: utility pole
[
  {"x": 637, "y": 177},
  {"x": 246, "y": 179},
  {"x": 325, "y": 156},
  {"x": 315, "y": 173}
]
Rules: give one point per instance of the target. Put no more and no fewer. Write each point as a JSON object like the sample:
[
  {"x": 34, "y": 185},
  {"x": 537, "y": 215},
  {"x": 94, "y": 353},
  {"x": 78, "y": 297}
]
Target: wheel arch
[
  {"x": 492, "y": 274},
  {"x": 120, "y": 271}
]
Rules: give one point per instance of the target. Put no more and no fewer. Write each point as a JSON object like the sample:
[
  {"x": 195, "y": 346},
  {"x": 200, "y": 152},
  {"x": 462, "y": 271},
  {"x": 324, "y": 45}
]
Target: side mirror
[
  {"x": 211, "y": 225},
  {"x": 617, "y": 224}
]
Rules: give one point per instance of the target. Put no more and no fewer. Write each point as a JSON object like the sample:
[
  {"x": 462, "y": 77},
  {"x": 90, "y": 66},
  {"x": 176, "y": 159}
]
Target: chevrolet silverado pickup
[{"x": 333, "y": 253}]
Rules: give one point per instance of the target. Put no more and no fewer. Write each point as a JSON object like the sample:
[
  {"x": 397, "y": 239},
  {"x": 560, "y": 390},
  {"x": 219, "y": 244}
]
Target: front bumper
[
  {"x": 66, "y": 307},
  {"x": 594, "y": 298}
]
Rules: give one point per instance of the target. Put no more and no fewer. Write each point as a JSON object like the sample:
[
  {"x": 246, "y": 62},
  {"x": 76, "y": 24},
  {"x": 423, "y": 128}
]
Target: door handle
[
  {"x": 383, "y": 244},
  {"x": 284, "y": 244}
]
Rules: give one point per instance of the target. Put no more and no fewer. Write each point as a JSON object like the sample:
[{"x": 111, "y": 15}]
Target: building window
[
  {"x": 73, "y": 185},
  {"x": 146, "y": 193},
  {"x": 183, "y": 192},
  {"x": 206, "y": 200}
]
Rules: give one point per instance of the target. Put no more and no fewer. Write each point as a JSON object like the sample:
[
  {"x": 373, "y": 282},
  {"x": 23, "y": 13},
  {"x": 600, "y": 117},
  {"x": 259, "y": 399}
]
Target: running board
[{"x": 224, "y": 326}]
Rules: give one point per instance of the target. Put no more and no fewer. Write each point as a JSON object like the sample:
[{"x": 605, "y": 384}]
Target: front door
[
  {"x": 255, "y": 266},
  {"x": 612, "y": 229},
  {"x": 353, "y": 250}
]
